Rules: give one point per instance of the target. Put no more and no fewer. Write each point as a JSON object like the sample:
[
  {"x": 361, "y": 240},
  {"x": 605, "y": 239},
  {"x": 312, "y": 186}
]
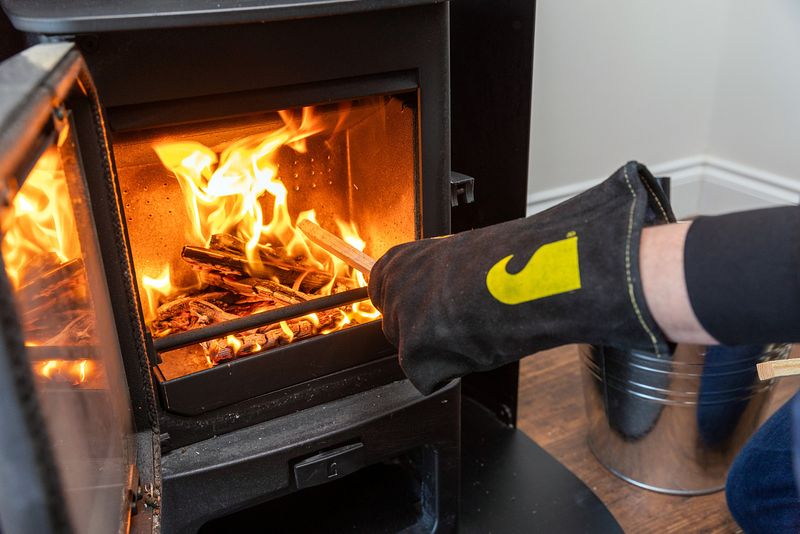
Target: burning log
[
  {"x": 54, "y": 306},
  {"x": 256, "y": 288},
  {"x": 39, "y": 265},
  {"x": 270, "y": 336},
  {"x": 338, "y": 247},
  {"x": 207, "y": 313},
  {"x": 78, "y": 331},
  {"x": 233, "y": 289},
  {"x": 212, "y": 306},
  {"x": 286, "y": 273},
  {"x": 64, "y": 282}
]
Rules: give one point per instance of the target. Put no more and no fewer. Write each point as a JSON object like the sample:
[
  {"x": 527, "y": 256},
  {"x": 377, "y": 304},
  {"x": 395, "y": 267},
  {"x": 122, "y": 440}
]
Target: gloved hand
[{"x": 483, "y": 298}]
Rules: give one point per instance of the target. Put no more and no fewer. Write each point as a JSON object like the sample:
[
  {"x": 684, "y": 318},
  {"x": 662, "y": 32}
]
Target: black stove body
[{"x": 252, "y": 441}]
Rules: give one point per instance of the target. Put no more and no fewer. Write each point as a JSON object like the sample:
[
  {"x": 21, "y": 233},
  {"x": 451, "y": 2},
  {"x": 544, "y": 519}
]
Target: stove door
[{"x": 67, "y": 455}]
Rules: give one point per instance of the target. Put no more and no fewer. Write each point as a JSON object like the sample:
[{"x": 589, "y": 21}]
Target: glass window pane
[{"x": 50, "y": 253}]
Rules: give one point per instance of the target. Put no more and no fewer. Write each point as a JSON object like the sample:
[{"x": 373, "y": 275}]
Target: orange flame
[
  {"x": 223, "y": 194},
  {"x": 154, "y": 288},
  {"x": 75, "y": 372},
  {"x": 287, "y": 331},
  {"x": 234, "y": 344},
  {"x": 39, "y": 229}
]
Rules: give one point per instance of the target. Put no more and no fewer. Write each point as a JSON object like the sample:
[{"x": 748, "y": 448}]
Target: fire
[
  {"x": 74, "y": 372},
  {"x": 234, "y": 343},
  {"x": 222, "y": 193},
  {"x": 39, "y": 235},
  {"x": 154, "y": 289},
  {"x": 287, "y": 331},
  {"x": 39, "y": 231},
  {"x": 229, "y": 192}
]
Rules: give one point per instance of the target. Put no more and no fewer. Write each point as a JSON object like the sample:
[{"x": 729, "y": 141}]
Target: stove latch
[{"x": 462, "y": 189}]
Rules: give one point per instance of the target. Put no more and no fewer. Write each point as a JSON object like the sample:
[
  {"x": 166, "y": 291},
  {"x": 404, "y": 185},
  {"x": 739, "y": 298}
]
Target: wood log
[
  {"x": 40, "y": 264},
  {"x": 232, "y": 264},
  {"x": 227, "y": 243},
  {"x": 268, "y": 254},
  {"x": 178, "y": 315},
  {"x": 227, "y": 259},
  {"x": 337, "y": 246},
  {"x": 778, "y": 368},
  {"x": 255, "y": 287},
  {"x": 207, "y": 313},
  {"x": 40, "y": 329},
  {"x": 267, "y": 337},
  {"x": 66, "y": 282},
  {"x": 78, "y": 331},
  {"x": 51, "y": 303}
]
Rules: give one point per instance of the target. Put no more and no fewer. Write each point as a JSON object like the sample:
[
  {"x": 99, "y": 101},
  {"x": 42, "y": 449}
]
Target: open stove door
[{"x": 68, "y": 447}]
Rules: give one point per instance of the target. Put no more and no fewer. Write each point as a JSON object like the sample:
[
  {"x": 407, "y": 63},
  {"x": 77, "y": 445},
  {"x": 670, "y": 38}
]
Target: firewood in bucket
[
  {"x": 778, "y": 368},
  {"x": 337, "y": 246}
]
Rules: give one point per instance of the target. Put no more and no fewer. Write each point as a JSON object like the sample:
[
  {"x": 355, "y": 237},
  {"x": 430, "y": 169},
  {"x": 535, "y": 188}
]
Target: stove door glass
[{"x": 53, "y": 270}]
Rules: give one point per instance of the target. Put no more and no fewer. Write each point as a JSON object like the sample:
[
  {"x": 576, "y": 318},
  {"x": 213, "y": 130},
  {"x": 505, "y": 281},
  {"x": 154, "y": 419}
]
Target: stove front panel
[{"x": 389, "y": 180}]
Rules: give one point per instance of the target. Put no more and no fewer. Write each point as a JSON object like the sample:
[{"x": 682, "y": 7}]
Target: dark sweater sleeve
[{"x": 743, "y": 275}]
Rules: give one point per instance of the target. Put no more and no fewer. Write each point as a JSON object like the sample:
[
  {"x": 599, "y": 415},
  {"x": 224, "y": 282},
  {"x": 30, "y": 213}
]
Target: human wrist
[{"x": 661, "y": 264}]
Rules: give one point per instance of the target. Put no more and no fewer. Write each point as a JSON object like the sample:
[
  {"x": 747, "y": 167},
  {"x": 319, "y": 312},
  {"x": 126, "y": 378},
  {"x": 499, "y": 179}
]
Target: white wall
[
  {"x": 620, "y": 80},
  {"x": 756, "y": 112},
  {"x": 705, "y": 90}
]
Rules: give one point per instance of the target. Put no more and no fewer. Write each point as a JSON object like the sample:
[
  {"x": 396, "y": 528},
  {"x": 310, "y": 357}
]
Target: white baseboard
[{"x": 701, "y": 185}]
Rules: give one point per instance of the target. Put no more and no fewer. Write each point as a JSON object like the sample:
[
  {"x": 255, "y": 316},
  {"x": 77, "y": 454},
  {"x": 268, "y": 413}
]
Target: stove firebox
[{"x": 214, "y": 238}]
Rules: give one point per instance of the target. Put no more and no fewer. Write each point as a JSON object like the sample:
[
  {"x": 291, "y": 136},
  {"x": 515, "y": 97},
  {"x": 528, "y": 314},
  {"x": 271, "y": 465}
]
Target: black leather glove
[{"x": 483, "y": 298}]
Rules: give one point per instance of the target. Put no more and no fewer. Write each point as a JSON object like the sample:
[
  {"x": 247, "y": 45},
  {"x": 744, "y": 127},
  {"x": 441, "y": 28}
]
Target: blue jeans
[{"x": 761, "y": 490}]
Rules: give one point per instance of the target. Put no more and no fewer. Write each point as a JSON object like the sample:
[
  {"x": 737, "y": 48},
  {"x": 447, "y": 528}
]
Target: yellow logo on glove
[{"x": 552, "y": 269}]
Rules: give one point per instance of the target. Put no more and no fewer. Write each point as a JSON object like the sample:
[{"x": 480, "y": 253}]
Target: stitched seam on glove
[
  {"x": 655, "y": 197},
  {"x": 628, "y": 275}
]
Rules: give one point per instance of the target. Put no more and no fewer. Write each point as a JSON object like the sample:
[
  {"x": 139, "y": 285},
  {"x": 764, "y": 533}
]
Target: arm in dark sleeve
[{"x": 743, "y": 275}]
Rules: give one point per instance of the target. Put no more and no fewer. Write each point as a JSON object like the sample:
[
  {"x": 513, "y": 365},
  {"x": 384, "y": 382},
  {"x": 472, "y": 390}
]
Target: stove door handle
[
  {"x": 329, "y": 465},
  {"x": 462, "y": 189}
]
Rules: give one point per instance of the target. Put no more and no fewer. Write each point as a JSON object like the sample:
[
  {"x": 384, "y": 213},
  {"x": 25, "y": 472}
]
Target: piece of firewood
[
  {"x": 80, "y": 330},
  {"x": 270, "y": 336},
  {"x": 66, "y": 281},
  {"x": 250, "y": 287},
  {"x": 227, "y": 243},
  {"x": 234, "y": 245},
  {"x": 337, "y": 246},
  {"x": 207, "y": 313},
  {"x": 231, "y": 264},
  {"x": 776, "y": 368},
  {"x": 179, "y": 315}
]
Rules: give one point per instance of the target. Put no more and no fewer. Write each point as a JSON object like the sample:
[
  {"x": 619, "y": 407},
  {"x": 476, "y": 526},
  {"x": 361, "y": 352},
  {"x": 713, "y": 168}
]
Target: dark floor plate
[{"x": 509, "y": 484}]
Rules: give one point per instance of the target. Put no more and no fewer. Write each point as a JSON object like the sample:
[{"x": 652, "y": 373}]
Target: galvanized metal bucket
[{"x": 674, "y": 425}]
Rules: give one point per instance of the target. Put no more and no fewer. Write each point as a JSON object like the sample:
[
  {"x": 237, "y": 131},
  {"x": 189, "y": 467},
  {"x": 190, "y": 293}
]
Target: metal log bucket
[{"x": 674, "y": 425}]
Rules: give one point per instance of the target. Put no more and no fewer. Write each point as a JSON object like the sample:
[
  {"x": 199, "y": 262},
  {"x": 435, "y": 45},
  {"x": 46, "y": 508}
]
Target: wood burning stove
[
  {"x": 250, "y": 354},
  {"x": 191, "y": 140}
]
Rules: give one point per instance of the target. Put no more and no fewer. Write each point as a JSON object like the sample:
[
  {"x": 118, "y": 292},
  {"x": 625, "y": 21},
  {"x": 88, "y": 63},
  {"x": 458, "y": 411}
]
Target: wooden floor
[{"x": 551, "y": 412}]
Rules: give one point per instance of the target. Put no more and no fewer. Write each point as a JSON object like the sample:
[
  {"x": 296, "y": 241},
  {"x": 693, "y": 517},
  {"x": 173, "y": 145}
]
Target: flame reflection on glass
[{"x": 74, "y": 372}]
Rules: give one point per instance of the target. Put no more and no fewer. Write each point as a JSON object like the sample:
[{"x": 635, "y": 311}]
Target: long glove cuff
[{"x": 483, "y": 298}]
